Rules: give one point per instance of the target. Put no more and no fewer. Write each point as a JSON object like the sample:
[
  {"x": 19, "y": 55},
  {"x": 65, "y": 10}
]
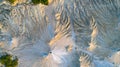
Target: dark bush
[
  {"x": 11, "y": 1},
  {"x": 45, "y": 2},
  {"x": 8, "y": 61}
]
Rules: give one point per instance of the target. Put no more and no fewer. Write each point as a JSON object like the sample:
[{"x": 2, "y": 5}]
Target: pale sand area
[{"x": 39, "y": 37}]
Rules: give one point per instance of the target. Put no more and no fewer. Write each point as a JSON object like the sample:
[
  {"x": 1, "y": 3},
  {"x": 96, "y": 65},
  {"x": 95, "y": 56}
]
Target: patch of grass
[
  {"x": 11, "y": 1},
  {"x": 35, "y": 2},
  {"x": 8, "y": 61}
]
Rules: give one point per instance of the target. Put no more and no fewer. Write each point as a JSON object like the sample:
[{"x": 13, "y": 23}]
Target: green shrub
[
  {"x": 45, "y": 2},
  {"x": 8, "y": 61},
  {"x": 35, "y": 2},
  {"x": 11, "y": 1}
]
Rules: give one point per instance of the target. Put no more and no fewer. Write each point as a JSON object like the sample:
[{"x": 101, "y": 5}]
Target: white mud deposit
[{"x": 65, "y": 33}]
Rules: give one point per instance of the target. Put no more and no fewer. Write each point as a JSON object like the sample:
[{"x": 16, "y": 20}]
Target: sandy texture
[{"x": 65, "y": 33}]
